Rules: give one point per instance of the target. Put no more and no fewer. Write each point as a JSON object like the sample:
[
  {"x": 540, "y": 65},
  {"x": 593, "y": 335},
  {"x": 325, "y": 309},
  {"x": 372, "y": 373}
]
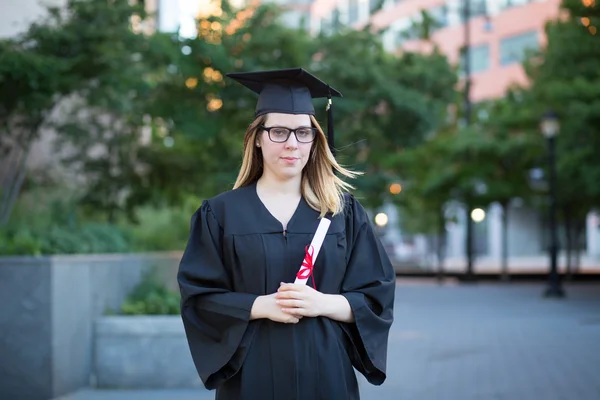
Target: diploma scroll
[{"x": 312, "y": 251}]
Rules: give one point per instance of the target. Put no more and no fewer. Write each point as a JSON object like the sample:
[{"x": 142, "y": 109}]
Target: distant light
[
  {"x": 187, "y": 50},
  {"x": 549, "y": 124},
  {"x": 172, "y": 69},
  {"x": 478, "y": 215},
  {"x": 395, "y": 188},
  {"x": 191, "y": 83},
  {"x": 212, "y": 75},
  {"x": 589, "y": 3},
  {"x": 592, "y": 30},
  {"x": 214, "y": 104},
  {"x": 168, "y": 141},
  {"x": 585, "y": 21},
  {"x": 381, "y": 219}
]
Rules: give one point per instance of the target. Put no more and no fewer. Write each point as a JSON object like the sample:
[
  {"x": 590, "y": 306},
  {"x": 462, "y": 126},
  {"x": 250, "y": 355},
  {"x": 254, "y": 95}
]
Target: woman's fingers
[
  {"x": 289, "y": 295},
  {"x": 291, "y": 303}
]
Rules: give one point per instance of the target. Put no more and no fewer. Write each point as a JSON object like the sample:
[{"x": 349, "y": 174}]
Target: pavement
[{"x": 474, "y": 341}]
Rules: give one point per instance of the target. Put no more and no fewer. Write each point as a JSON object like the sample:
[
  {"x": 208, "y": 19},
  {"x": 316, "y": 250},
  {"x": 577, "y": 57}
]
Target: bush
[
  {"x": 47, "y": 222},
  {"x": 51, "y": 224},
  {"x": 162, "y": 228},
  {"x": 151, "y": 297},
  {"x": 45, "y": 240}
]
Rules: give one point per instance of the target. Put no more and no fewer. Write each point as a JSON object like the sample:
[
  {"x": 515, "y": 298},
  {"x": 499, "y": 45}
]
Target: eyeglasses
[{"x": 280, "y": 134}]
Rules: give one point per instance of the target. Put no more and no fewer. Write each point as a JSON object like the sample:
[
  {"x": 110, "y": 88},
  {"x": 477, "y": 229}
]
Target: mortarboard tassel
[{"x": 330, "y": 137}]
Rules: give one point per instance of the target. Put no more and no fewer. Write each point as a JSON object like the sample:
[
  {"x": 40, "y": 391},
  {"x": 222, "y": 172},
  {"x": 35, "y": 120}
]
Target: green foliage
[
  {"x": 84, "y": 50},
  {"x": 49, "y": 221},
  {"x": 151, "y": 297},
  {"x": 175, "y": 90},
  {"x": 568, "y": 82},
  {"x": 51, "y": 225},
  {"x": 162, "y": 228}
]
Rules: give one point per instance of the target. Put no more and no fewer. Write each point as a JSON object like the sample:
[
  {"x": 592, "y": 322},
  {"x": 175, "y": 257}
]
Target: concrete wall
[
  {"x": 49, "y": 305},
  {"x": 133, "y": 352}
]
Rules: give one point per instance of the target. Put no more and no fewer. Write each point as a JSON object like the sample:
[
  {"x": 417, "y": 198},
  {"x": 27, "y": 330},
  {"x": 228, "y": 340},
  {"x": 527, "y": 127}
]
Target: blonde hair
[{"x": 322, "y": 189}]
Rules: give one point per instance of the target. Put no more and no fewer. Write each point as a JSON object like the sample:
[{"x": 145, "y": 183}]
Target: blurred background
[{"x": 477, "y": 123}]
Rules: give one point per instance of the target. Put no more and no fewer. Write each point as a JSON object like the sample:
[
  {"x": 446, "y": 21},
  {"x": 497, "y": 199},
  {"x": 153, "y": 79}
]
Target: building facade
[{"x": 500, "y": 34}]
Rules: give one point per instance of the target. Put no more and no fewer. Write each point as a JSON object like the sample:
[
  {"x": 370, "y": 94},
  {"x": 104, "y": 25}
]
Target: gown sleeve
[
  {"x": 215, "y": 318},
  {"x": 369, "y": 286}
]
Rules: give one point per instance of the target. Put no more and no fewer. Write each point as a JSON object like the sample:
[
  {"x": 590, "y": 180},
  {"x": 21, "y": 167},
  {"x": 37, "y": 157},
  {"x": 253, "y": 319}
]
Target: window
[
  {"x": 503, "y": 4},
  {"x": 352, "y": 11},
  {"x": 479, "y": 59},
  {"x": 405, "y": 30},
  {"x": 439, "y": 15},
  {"x": 513, "y": 48},
  {"x": 476, "y": 8},
  {"x": 335, "y": 20},
  {"x": 374, "y": 5}
]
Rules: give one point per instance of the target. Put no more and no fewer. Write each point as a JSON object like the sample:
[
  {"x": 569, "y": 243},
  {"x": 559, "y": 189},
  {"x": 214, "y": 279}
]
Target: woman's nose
[{"x": 292, "y": 141}]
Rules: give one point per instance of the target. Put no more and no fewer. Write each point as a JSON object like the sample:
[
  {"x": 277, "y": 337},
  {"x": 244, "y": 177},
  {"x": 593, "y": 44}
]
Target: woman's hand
[
  {"x": 267, "y": 307},
  {"x": 300, "y": 300},
  {"x": 304, "y": 301}
]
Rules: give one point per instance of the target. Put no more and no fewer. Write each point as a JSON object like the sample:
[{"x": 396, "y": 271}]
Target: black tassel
[{"x": 330, "y": 136}]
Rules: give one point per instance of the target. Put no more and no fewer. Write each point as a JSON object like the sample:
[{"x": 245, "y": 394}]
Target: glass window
[
  {"x": 513, "y": 48},
  {"x": 476, "y": 8},
  {"x": 374, "y": 5},
  {"x": 439, "y": 15},
  {"x": 479, "y": 59},
  {"x": 504, "y": 4},
  {"x": 352, "y": 11}
]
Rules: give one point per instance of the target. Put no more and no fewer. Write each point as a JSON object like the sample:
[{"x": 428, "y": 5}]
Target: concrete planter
[
  {"x": 49, "y": 305},
  {"x": 143, "y": 352}
]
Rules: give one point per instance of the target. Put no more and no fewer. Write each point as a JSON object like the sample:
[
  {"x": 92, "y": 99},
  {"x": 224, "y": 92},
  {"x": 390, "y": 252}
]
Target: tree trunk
[
  {"x": 569, "y": 239},
  {"x": 505, "y": 274},
  {"x": 579, "y": 231},
  {"x": 16, "y": 178},
  {"x": 440, "y": 247},
  {"x": 469, "y": 251}
]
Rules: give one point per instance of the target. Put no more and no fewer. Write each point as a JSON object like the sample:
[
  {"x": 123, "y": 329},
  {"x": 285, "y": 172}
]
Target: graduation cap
[{"x": 288, "y": 91}]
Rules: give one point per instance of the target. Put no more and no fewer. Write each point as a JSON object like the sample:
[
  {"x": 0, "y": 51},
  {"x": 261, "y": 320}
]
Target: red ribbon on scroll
[{"x": 306, "y": 270}]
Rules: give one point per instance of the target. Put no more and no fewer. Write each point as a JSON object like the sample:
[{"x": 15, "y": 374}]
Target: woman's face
[{"x": 283, "y": 154}]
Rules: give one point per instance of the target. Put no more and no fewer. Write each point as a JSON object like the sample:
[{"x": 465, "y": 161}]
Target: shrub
[{"x": 151, "y": 297}]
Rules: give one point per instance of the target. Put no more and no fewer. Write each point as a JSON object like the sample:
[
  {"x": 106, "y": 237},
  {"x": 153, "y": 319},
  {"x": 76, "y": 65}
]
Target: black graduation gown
[{"x": 237, "y": 251}]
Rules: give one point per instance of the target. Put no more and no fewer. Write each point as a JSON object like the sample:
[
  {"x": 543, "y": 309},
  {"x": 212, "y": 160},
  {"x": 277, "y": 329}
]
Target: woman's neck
[{"x": 288, "y": 187}]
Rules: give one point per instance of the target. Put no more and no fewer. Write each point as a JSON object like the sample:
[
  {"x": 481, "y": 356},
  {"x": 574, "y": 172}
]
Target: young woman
[{"x": 252, "y": 332}]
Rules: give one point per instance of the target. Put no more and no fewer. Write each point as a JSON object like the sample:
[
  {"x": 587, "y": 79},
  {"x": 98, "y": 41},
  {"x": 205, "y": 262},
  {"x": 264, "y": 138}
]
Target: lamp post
[
  {"x": 467, "y": 119},
  {"x": 467, "y": 10},
  {"x": 549, "y": 125}
]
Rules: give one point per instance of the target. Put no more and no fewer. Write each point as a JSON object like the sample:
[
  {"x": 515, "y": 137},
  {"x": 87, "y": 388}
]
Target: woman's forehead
[{"x": 288, "y": 120}]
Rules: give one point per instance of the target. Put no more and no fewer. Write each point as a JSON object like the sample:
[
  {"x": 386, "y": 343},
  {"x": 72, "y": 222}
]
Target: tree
[
  {"x": 391, "y": 103},
  {"x": 77, "y": 51},
  {"x": 503, "y": 149},
  {"x": 429, "y": 177},
  {"x": 566, "y": 79},
  {"x": 207, "y": 118},
  {"x": 202, "y": 115}
]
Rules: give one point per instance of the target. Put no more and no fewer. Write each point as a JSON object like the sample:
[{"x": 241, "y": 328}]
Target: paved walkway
[{"x": 475, "y": 342}]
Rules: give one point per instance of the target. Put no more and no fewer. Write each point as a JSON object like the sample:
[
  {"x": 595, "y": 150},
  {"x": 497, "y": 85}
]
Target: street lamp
[
  {"x": 381, "y": 219},
  {"x": 478, "y": 215},
  {"x": 467, "y": 10},
  {"x": 550, "y": 126}
]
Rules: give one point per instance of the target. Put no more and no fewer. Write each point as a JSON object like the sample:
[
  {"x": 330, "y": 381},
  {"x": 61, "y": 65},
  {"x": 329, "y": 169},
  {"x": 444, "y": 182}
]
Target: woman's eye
[
  {"x": 279, "y": 132},
  {"x": 304, "y": 132}
]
